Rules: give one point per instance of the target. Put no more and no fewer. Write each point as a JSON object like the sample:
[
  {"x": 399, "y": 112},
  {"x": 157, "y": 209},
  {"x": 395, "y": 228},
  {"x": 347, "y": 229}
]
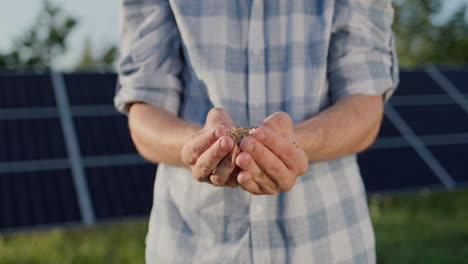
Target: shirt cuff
[
  {"x": 165, "y": 98},
  {"x": 366, "y": 74}
]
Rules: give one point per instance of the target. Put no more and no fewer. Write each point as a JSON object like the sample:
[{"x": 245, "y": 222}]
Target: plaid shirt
[{"x": 254, "y": 58}]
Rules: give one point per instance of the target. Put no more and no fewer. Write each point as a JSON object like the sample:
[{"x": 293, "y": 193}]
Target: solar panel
[
  {"x": 121, "y": 190},
  {"x": 387, "y": 129},
  {"x": 435, "y": 119},
  {"x": 90, "y": 88},
  {"x": 37, "y": 198},
  {"x": 417, "y": 82},
  {"x": 103, "y": 135},
  {"x": 121, "y": 184},
  {"x": 394, "y": 169},
  {"x": 31, "y": 140},
  {"x": 458, "y": 78},
  {"x": 25, "y": 91},
  {"x": 454, "y": 158}
]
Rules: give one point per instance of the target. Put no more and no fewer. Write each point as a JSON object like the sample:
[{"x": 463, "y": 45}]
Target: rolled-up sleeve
[
  {"x": 362, "y": 58},
  {"x": 149, "y": 64}
]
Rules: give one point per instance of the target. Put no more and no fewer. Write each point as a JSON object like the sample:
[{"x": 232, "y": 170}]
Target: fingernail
[
  {"x": 223, "y": 125},
  {"x": 259, "y": 135},
  {"x": 214, "y": 179},
  {"x": 223, "y": 144},
  {"x": 249, "y": 147},
  {"x": 245, "y": 160},
  {"x": 218, "y": 133},
  {"x": 243, "y": 178}
]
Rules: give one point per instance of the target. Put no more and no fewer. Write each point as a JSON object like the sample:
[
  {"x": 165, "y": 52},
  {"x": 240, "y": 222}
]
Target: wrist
[{"x": 310, "y": 138}]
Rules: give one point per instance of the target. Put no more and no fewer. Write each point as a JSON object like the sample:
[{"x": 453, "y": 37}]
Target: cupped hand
[
  {"x": 211, "y": 153},
  {"x": 270, "y": 160}
]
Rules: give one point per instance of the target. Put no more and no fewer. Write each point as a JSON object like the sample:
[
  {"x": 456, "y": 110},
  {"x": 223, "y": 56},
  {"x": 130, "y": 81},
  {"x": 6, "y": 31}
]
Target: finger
[
  {"x": 268, "y": 162},
  {"x": 247, "y": 183},
  {"x": 265, "y": 183},
  {"x": 232, "y": 181},
  {"x": 209, "y": 160},
  {"x": 285, "y": 149},
  {"x": 218, "y": 117},
  {"x": 225, "y": 168},
  {"x": 280, "y": 122},
  {"x": 192, "y": 150}
]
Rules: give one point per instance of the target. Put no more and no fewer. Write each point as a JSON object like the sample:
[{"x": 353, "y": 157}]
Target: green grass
[
  {"x": 424, "y": 228},
  {"x": 105, "y": 243},
  {"x": 415, "y": 228}
]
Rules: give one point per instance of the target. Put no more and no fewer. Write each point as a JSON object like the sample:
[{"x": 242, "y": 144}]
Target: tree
[
  {"x": 88, "y": 61},
  {"x": 39, "y": 46},
  {"x": 421, "y": 41}
]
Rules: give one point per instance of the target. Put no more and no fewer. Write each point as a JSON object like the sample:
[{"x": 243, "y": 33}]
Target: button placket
[
  {"x": 256, "y": 59},
  {"x": 260, "y": 237}
]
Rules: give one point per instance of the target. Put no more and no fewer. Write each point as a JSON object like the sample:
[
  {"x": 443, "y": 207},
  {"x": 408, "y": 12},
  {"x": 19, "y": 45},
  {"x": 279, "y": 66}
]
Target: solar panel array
[
  {"x": 37, "y": 186},
  {"x": 423, "y": 143}
]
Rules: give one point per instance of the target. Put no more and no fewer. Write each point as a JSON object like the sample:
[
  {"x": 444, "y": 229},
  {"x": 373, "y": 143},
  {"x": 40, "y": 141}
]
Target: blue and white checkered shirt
[{"x": 254, "y": 58}]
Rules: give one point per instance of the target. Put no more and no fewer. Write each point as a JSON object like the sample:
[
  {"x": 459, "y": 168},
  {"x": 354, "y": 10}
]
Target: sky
[{"x": 98, "y": 21}]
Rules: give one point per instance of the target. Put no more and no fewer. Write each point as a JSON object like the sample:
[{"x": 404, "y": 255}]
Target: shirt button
[{"x": 258, "y": 209}]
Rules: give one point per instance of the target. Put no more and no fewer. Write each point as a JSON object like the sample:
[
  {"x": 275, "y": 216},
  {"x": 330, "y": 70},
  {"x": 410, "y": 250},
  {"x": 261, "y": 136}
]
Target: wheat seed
[{"x": 238, "y": 133}]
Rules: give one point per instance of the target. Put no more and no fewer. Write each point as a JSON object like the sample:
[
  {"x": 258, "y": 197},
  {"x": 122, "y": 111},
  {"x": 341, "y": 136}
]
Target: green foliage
[
  {"x": 417, "y": 228},
  {"x": 46, "y": 40},
  {"x": 87, "y": 59},
  {"x": 425, "y": 228},
  {"x": 111, "y": 243},
  {"x": 89, "y": 62},
  {"x": 42, "y": 43},
  {"x": 421, "y": 41}
]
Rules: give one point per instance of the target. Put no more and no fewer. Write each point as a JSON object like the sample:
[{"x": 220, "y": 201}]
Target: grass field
[{"x": 416, "y": 228}]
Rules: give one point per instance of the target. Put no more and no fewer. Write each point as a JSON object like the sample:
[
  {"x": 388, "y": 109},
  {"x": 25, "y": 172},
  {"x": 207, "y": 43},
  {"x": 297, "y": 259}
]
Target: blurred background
[{"x": 74, "y": 190}]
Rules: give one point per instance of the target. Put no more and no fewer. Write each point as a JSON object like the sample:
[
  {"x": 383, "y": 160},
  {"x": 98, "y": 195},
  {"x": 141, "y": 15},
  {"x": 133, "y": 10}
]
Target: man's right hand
[{"x": 210, "y": 152}]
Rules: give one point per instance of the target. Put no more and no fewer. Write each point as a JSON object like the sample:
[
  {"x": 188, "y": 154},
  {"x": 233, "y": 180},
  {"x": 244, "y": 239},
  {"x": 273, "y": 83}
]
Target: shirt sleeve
[
  {"x": 362, "y": 58},
  {"x": 149, "y": 64}
]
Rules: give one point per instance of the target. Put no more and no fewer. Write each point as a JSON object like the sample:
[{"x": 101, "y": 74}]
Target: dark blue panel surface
[
  {"x": 459, "y": 78},
  {"x": 436, "y": 119},
  {"x": 417, "y": 82},
  {"x": 26, "y": 91},
  {"x": 394, "y": 169},
  {"x": 37, "y": 198},
  {"x": 388, "y": 129},
  {"x": 90, "y": 88},
  {"x": 31, "y": 139},
  {"x": 104, "y": 135},
  {"x": 122, "y": 191},
  {"x": 454, "y": 158}
]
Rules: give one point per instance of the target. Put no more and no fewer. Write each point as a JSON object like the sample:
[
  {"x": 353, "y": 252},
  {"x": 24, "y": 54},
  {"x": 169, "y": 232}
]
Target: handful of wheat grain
[{"x": 238, "y": 133}]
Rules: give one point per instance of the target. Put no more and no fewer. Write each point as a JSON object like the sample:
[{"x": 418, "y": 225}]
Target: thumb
[
  {"x": 280, "y": 122},
  {"x": 218, "y": 117}
]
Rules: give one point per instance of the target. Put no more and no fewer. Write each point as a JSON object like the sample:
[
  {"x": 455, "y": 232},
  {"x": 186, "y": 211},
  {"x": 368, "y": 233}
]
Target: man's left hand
[{"x": 271, "y": 161}]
